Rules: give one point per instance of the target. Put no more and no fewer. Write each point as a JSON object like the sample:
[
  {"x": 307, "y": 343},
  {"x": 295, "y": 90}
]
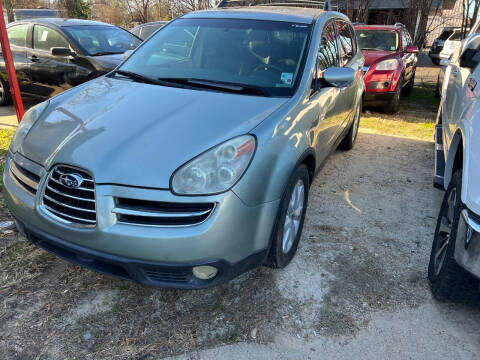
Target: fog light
[{"x": 205, "y": 272}]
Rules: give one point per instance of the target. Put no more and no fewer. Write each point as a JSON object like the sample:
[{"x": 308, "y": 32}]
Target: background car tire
[
  {"x": 394, "y": 105},
  {"x": 407, "y": 90},
  {"x": 436, "y": 61},
  {"x": 280, "y": 256},
  {"x": 449, "y": 281},
  {"x": 437, "y": 88},
  {"x": 349, "y": 141},
  {"x": 5, "y": 97}
]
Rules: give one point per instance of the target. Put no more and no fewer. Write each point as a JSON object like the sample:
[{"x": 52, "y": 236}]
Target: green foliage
[
  {"x": 83, "y": 10},
  {"x": 5, "y": 137}
]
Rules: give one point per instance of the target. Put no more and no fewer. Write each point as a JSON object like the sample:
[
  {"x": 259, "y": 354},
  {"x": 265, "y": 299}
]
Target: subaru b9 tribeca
[{"x": 191, "y": 162}]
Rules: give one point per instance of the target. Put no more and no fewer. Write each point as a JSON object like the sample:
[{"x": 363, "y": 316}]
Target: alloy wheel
[
  {"x": 293, "y": 216},
  {"x": 444, "y": 232}
]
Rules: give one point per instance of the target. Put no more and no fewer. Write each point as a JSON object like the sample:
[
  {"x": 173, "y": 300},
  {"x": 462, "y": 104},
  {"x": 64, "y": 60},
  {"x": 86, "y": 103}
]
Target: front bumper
[
  {"x": 378, "y": 98},
  {"x": 467, "y": 245},
  {"x": 144, "y": 272},
  {"x": 234, "y": 237}
]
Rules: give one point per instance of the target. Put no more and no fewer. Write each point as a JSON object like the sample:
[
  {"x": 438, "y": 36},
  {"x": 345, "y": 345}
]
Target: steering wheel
[{"x": 265, "y": 67}]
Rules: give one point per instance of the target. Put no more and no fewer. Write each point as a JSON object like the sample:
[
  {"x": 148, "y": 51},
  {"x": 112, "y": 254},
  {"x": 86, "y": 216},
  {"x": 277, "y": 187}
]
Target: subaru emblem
[{"x": 71, "y": 180}]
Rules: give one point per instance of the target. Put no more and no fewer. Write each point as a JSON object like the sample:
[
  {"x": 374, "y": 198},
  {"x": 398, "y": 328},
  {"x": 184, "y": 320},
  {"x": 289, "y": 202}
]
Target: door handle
[{"x": 34, "y": 58}]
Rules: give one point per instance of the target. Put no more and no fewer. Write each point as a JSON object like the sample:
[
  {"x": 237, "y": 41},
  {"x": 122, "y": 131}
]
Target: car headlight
[
  {"x": 25, "y": 125},
  {"x": 216, "y": 170},
  {"x": 390, "y": 64}
]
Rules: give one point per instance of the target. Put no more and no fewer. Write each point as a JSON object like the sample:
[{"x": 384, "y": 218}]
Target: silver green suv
[{"x": 191, "y": 162}]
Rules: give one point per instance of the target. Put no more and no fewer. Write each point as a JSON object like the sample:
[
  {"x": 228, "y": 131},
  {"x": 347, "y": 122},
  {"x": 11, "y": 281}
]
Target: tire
[
  {"x": 349, "y": 140},
  {"x": 437, "y": 88},
  {"x": 394, "y": 104},
  {"x": 407, "y": 90},
  {"x": 448, "y": 281},
  {"x": 5, "y": 97},
  {"x": 283, "y": 247}
]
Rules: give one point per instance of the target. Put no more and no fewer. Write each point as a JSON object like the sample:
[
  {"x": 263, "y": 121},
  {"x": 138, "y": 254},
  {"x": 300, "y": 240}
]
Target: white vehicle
[
  {"x": 454, "y": 266},
  {"x": 451, "y": 44}
]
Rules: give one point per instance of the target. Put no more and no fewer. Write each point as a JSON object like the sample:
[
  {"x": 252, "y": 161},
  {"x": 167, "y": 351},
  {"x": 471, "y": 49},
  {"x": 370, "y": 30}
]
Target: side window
[
  {"x": 346, "y": 42},
  {"x": 17, "y": 35},
  {"x": 327, "y": 52},
  {"x": 45, "y": 38}
]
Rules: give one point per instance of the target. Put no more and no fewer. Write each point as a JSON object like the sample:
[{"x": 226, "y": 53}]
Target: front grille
[
  {"x": 157, "y": 213},
  {"x": 23, "y": 177},
  {"x": 174, "y": 276},
  {"x": 73, "y": 205}
]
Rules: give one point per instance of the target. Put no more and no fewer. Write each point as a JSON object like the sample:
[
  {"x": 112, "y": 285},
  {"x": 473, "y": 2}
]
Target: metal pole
[{"x": 11, "y": 74}]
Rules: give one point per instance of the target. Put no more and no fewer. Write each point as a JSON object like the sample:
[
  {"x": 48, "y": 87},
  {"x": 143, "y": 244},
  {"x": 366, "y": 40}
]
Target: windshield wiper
[
  {"x": 373, "y": 49},
  {"x": 147, "y": 80},
  {"x": 235, "y": 88},
  {"x": 107, "y": 53}
]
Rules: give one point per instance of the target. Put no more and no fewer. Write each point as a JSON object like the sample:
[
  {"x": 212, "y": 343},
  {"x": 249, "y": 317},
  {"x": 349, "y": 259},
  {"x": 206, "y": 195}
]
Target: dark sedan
[{"x": 52, "y": 54}]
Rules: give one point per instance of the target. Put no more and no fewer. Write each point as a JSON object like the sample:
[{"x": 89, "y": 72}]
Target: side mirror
[
  {"x": 470, "y": 55},
  {"x": 445, "y": 62},
  {"x": 339, "y": 77},
  {"x": 126, "y": 54},
  {"x": 412, "y": 49},
  {"x": 61, "y": 51}
]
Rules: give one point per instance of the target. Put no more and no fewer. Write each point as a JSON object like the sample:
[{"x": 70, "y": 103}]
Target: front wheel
[
  {"x": 291, "y": 215},
  {"x": 393, "y": 105},
  {"x": 5, "y": 98},
  {"x": 448, "y": 281},
  {"x": 408, "y": 89},
  {"x": 349, "y": 141}
]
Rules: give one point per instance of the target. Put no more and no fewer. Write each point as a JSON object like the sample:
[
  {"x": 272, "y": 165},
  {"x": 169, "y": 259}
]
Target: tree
[
  {"x": 77, "y": 9},
  {"x": 420, "y": 18},
  {"x": 362, "y": 12},
  {"x": 470, "y": 14}
]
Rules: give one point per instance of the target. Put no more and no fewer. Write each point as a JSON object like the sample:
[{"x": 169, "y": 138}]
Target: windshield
[
  {"x": 378, "y": 40},
  {"x": 267, "y": 55},
  {"x": 102, "y": 40}
]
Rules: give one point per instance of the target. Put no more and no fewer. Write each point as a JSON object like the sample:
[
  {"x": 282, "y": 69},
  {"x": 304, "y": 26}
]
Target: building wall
[
  {"x": 449, "y": 17},
  {"x": 392, "y": 11}
]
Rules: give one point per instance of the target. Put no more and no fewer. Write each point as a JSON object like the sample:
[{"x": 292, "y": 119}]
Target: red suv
[{"x": 390, "y": 63}]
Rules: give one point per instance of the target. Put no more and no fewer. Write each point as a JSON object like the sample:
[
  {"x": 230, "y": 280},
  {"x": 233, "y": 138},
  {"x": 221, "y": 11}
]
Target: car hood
[
  {"x": 374, "y": 56},
  {"x": 138, "y": 134},
  {"x": 106, "y": 63}
]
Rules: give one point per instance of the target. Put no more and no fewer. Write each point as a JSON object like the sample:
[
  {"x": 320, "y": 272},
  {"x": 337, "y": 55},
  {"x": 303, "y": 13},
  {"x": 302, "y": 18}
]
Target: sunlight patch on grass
[
  {"x": 396, "y": 126},
  {"x": 5, "y": 137}
]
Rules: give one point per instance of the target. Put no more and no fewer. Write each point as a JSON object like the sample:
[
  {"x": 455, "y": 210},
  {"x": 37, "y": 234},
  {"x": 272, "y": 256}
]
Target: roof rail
[{"x": 316, "y": 4}]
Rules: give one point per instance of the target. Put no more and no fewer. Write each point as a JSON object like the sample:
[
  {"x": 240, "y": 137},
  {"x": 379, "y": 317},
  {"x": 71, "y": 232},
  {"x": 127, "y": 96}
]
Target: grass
[
  {"x": 416, "y": 118},
  {"x": 5, "y": 137},
  {"x": 422, "y": 97}
]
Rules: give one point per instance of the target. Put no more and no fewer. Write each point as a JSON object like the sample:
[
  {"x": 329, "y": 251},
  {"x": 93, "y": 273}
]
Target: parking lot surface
[{"x": 357, "y": 288}]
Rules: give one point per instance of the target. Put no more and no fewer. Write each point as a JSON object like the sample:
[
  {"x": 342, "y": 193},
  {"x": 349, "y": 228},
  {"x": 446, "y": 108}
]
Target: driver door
[
  {"x": 49, "y": 74},
  {"x": 455, "y": 100},
  {"x": 325, "y": 99}
]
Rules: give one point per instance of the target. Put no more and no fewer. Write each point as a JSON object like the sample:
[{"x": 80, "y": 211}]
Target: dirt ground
[{"x": 357, "y": 288}]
